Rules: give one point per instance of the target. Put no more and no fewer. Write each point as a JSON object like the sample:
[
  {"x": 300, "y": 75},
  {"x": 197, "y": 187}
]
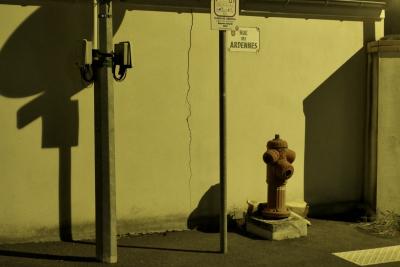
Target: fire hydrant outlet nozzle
[{"x": 279, "y": 159}]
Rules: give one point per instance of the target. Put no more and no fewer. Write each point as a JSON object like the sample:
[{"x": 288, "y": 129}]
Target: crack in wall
[{"x": 189, "y": 112}]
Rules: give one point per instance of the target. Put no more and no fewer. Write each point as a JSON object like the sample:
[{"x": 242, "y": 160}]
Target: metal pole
[
  {"x": 222, "y": 144},
  {"x": 106, "y": 227},
  {"x": 95, "y": 25},
  {"x": 64, "y": 190}
]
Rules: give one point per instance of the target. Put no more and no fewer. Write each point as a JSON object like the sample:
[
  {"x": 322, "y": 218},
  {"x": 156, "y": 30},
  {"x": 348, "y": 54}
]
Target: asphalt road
[{"x": 193, "y": 248}]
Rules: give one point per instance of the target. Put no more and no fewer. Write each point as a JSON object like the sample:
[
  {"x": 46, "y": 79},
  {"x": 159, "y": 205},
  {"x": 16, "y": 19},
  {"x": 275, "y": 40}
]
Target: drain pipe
[
  {"x": 95, "y": 26},
  {"x": 321, "y": 9},
  {"x": 352, "y": 3}
]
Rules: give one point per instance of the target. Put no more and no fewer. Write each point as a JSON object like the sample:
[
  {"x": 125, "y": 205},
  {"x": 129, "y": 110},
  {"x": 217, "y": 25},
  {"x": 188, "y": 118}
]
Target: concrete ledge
[{"x": 292, "y": 227}]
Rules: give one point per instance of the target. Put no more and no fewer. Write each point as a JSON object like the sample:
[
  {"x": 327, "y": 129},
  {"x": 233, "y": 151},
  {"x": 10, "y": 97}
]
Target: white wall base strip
[{"x": 371, "y": 256}]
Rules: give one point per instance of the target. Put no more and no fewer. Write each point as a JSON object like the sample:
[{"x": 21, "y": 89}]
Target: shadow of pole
[
  {"x": 156, "y": 248},
  {"x": 43, "y": 49},
  {"x": 48, "y": 68},
  {"x": 60, "y": 122},
  {"x": 64, "y": 190},
  {"x": 171, "y": 249}
]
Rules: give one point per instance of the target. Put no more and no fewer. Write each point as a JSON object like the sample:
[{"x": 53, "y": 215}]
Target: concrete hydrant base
[{"x": 292, "y": 227}]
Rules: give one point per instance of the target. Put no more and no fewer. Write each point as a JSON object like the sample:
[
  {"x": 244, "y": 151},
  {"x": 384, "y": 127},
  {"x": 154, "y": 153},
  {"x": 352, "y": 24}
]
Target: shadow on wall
[
  {"x": 40, "y": 58},
  {"x": 334, "y": 143},
  {"x": 392, "y": 12},
  {"x": 205, "y": 217}
]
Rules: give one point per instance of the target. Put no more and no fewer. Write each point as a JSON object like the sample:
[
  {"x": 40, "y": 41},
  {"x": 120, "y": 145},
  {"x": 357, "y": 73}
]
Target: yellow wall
[{"x": 154, "y": 188}]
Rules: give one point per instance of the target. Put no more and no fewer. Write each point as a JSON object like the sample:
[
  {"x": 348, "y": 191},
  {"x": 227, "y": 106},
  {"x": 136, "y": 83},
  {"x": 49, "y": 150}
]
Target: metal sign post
[
  {"x": 223, "y": 228},
  {"x": 224, "y": 14},
  {"x": 106, "y": 224}
]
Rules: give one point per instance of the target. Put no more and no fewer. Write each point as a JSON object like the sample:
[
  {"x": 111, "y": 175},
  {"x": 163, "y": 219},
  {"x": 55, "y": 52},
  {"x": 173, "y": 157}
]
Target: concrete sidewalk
[{"x": 193, "y": 248}]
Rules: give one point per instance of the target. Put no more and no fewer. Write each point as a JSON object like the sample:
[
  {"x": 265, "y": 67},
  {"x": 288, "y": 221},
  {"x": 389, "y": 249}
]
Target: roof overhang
[
  {"x": 362, "y": 10},
  {"x": 319, "y": 9}
]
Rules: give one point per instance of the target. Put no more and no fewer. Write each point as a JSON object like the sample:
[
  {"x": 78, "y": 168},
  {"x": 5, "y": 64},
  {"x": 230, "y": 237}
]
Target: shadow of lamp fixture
[
  {"x": 120, "y": 60},
  {"x": 279, "y": 159}
]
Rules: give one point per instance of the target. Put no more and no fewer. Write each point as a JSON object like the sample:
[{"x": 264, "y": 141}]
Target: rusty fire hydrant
[{"x": 279, "y": 159}]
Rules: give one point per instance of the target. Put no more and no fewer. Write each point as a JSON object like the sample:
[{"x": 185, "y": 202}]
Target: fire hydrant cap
[{"x": 277, "y": 143}]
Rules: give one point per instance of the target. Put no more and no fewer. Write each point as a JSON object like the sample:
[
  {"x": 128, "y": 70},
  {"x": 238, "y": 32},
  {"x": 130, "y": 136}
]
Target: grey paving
[{"x": 193, "y": 248}]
